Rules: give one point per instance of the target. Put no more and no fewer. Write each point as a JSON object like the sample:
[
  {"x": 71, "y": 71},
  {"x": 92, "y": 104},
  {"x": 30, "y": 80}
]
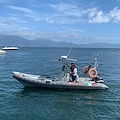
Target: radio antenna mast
[{"x": 70, "y": 50}]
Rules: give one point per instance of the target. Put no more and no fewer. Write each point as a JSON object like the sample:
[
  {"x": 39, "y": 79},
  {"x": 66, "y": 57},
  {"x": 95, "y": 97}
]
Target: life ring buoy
[
  {"x": 84, "y": 69},
  {"x": 91, "y": 74}
]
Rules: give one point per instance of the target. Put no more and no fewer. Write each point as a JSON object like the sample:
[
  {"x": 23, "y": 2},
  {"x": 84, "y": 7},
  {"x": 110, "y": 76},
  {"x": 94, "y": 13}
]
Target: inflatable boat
[{"x": 90, "y": 81}]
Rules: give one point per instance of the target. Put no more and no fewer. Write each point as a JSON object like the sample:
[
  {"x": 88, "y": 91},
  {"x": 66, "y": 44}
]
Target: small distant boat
[
  {"x": 2, "y": 52},
  {"x": 10, "y": 48},
  {"x": 114, "y": 50}
]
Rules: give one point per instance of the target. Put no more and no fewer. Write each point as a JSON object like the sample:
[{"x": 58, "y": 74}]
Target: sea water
[{"x": 20, "y": 103}]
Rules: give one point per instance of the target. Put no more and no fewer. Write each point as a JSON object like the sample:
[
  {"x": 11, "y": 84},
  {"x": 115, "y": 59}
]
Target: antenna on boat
[
  {"x": 70, "y": 50},
  {"x": 95, "y": 59}
]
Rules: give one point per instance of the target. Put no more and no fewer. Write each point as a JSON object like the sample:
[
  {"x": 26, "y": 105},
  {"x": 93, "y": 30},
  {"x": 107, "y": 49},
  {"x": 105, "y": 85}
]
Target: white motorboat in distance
[
  {"x": 2, "y": 52},
  {"x": 10, "y": 48}
]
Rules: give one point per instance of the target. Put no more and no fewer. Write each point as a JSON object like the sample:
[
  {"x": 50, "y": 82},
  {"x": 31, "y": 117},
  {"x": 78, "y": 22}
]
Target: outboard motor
[{"x": 98, "y": 79}]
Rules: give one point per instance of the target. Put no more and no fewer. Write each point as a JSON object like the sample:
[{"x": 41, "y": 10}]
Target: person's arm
[{"x": 67, "y": 65}]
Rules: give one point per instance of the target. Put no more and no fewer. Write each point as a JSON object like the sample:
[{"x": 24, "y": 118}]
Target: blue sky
[{"x": 77, "y": 21}]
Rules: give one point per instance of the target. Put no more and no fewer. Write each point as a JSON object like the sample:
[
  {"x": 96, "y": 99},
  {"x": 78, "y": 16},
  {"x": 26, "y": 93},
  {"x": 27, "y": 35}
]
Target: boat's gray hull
[{"x": 30, "y": 82}]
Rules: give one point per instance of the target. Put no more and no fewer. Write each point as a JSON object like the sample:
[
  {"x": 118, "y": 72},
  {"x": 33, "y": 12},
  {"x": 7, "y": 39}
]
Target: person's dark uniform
[{"x": 71, "y": 69}]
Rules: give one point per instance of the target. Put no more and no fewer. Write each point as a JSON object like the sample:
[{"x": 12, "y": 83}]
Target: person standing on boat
[{"x": 74, "y": 74}]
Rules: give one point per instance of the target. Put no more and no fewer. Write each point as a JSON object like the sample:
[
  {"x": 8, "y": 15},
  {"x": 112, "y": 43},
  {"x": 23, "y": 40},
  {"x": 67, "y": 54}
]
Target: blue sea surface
[{"x": 20, "y": 103}]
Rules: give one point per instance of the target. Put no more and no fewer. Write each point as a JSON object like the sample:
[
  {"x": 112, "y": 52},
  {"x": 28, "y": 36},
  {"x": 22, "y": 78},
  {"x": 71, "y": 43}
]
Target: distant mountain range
[{"x": 8, "y": 40}]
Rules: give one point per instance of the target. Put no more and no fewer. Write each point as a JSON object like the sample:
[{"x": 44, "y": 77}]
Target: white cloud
[
  {"x": 90, "y": 15},
  {"x": 37, "y": 16},
  {"x": 26, "y": 13},
  {"x": 92, "y": 11},
  {"x": 21, "y": 9},
  {"x": 63, "y": 7},
  {"x": 68, "y": 14},
  {"x": 115, "y": 15},
  {"x": 73, "y": 10},
  {"x": 100, "y": 18}
]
